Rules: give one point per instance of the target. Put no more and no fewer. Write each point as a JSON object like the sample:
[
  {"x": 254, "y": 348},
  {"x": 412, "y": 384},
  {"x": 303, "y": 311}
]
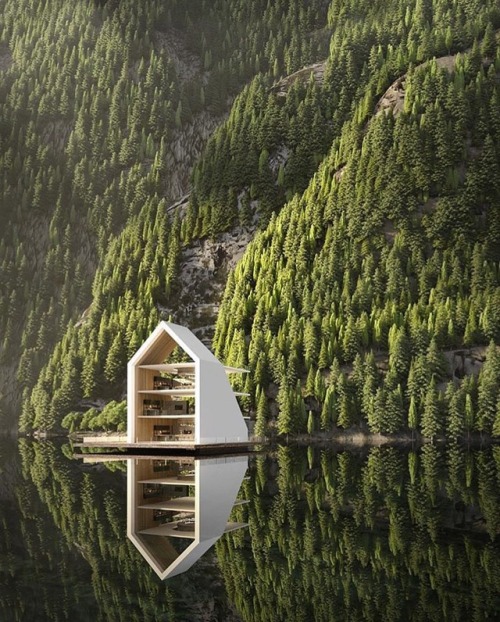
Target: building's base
[{"x": 165, "y": 448}]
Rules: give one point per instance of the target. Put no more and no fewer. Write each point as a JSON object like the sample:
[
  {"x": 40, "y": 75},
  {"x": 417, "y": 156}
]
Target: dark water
[{"x": 381, "y": 534}]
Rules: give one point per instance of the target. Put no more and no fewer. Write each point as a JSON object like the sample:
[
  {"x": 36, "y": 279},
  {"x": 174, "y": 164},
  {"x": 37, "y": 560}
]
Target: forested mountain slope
[
  {"x": 371, "y": 299},
  {"x": 391, "y": 253},
  {"x": 88, "y": 106},
  {"x": 104, "y": 106},
  {"x": 378, "y": 261}
]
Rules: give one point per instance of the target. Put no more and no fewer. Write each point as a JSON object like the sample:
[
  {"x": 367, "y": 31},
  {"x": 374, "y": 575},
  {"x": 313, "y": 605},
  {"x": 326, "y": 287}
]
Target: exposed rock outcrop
[
  {"x": 282, "y": 87},
  {"x": 203, "y": 274}
]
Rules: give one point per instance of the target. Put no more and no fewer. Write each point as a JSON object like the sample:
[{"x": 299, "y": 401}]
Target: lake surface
[{"x": 377, "y": 534}]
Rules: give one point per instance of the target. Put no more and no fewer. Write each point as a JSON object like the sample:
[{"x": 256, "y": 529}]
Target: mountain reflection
[
  {"x": 177, "y": 508},
  {"x": 375, "y": 535},
  {"x": 380, "y": 534}
]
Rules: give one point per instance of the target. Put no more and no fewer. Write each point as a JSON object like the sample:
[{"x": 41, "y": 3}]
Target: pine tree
[
  {"x": 328, "y": 416},
  {"x": 115, "y": 360},
  {"x": 431, "y": 416},
  {"x": 489, "y": 390},
  {"x": 413, "y": 417},
  {"x": 394, "y": 411},
  {"x": 311, "y": 426},
  {"x": 261, "y": 413},
  {"x": 436, "y": 362}
]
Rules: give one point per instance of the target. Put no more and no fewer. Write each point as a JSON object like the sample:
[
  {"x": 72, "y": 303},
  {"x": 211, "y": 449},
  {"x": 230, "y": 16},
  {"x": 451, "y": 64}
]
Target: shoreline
[
  {"x": 348, "y": 439},
  {"x": 361, "y": 439}
]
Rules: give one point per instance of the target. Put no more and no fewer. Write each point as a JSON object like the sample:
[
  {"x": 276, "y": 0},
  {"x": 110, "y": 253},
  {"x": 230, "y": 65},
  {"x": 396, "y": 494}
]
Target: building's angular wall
[{"x": 218, "y": 415}]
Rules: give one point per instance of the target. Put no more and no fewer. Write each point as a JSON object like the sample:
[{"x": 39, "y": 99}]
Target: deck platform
[{"x": 170, "y": 448}]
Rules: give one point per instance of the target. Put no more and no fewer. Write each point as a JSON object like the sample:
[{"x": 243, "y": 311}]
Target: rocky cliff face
[{"x": 203, "y": 272}]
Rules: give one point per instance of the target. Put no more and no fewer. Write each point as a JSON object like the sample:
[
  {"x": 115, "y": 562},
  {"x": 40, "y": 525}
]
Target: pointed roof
[{"x": 164, "y": 339}]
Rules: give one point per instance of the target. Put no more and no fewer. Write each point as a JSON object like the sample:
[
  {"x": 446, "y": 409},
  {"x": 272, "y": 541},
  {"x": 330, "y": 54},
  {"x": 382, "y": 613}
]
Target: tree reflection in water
[{"x": 378, "y": 535}]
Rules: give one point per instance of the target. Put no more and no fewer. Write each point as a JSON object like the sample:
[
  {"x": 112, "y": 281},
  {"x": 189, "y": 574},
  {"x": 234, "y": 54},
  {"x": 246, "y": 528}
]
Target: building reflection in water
[{"x": 178, "y": 507}]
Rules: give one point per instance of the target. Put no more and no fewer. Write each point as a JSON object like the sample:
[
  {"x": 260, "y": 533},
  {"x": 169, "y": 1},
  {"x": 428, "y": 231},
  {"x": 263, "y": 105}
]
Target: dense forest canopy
[
  {"x": 97, "y": 100},
  {"x": 393, "y": 248},
  {"x": 361, "y": 143}
]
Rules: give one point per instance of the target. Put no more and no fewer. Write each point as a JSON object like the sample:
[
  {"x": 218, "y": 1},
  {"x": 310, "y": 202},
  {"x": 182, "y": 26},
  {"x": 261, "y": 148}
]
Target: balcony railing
[{"x": 188, "y": 436}]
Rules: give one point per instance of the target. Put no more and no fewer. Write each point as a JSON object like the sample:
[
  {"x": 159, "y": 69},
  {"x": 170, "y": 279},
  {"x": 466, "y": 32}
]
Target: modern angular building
[{"x": 183, "y": 402}]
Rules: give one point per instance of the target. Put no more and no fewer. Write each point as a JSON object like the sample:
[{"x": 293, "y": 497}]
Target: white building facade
[{"x": 181, "y": 402}]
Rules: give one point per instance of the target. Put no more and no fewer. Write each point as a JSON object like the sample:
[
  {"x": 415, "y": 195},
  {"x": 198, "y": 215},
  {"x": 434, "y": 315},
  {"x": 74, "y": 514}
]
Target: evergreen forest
[{"x": 355, "y": 143}]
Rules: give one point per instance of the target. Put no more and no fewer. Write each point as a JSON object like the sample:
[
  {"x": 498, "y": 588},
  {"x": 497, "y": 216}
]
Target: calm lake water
[{"x": 378, "y": 534}]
